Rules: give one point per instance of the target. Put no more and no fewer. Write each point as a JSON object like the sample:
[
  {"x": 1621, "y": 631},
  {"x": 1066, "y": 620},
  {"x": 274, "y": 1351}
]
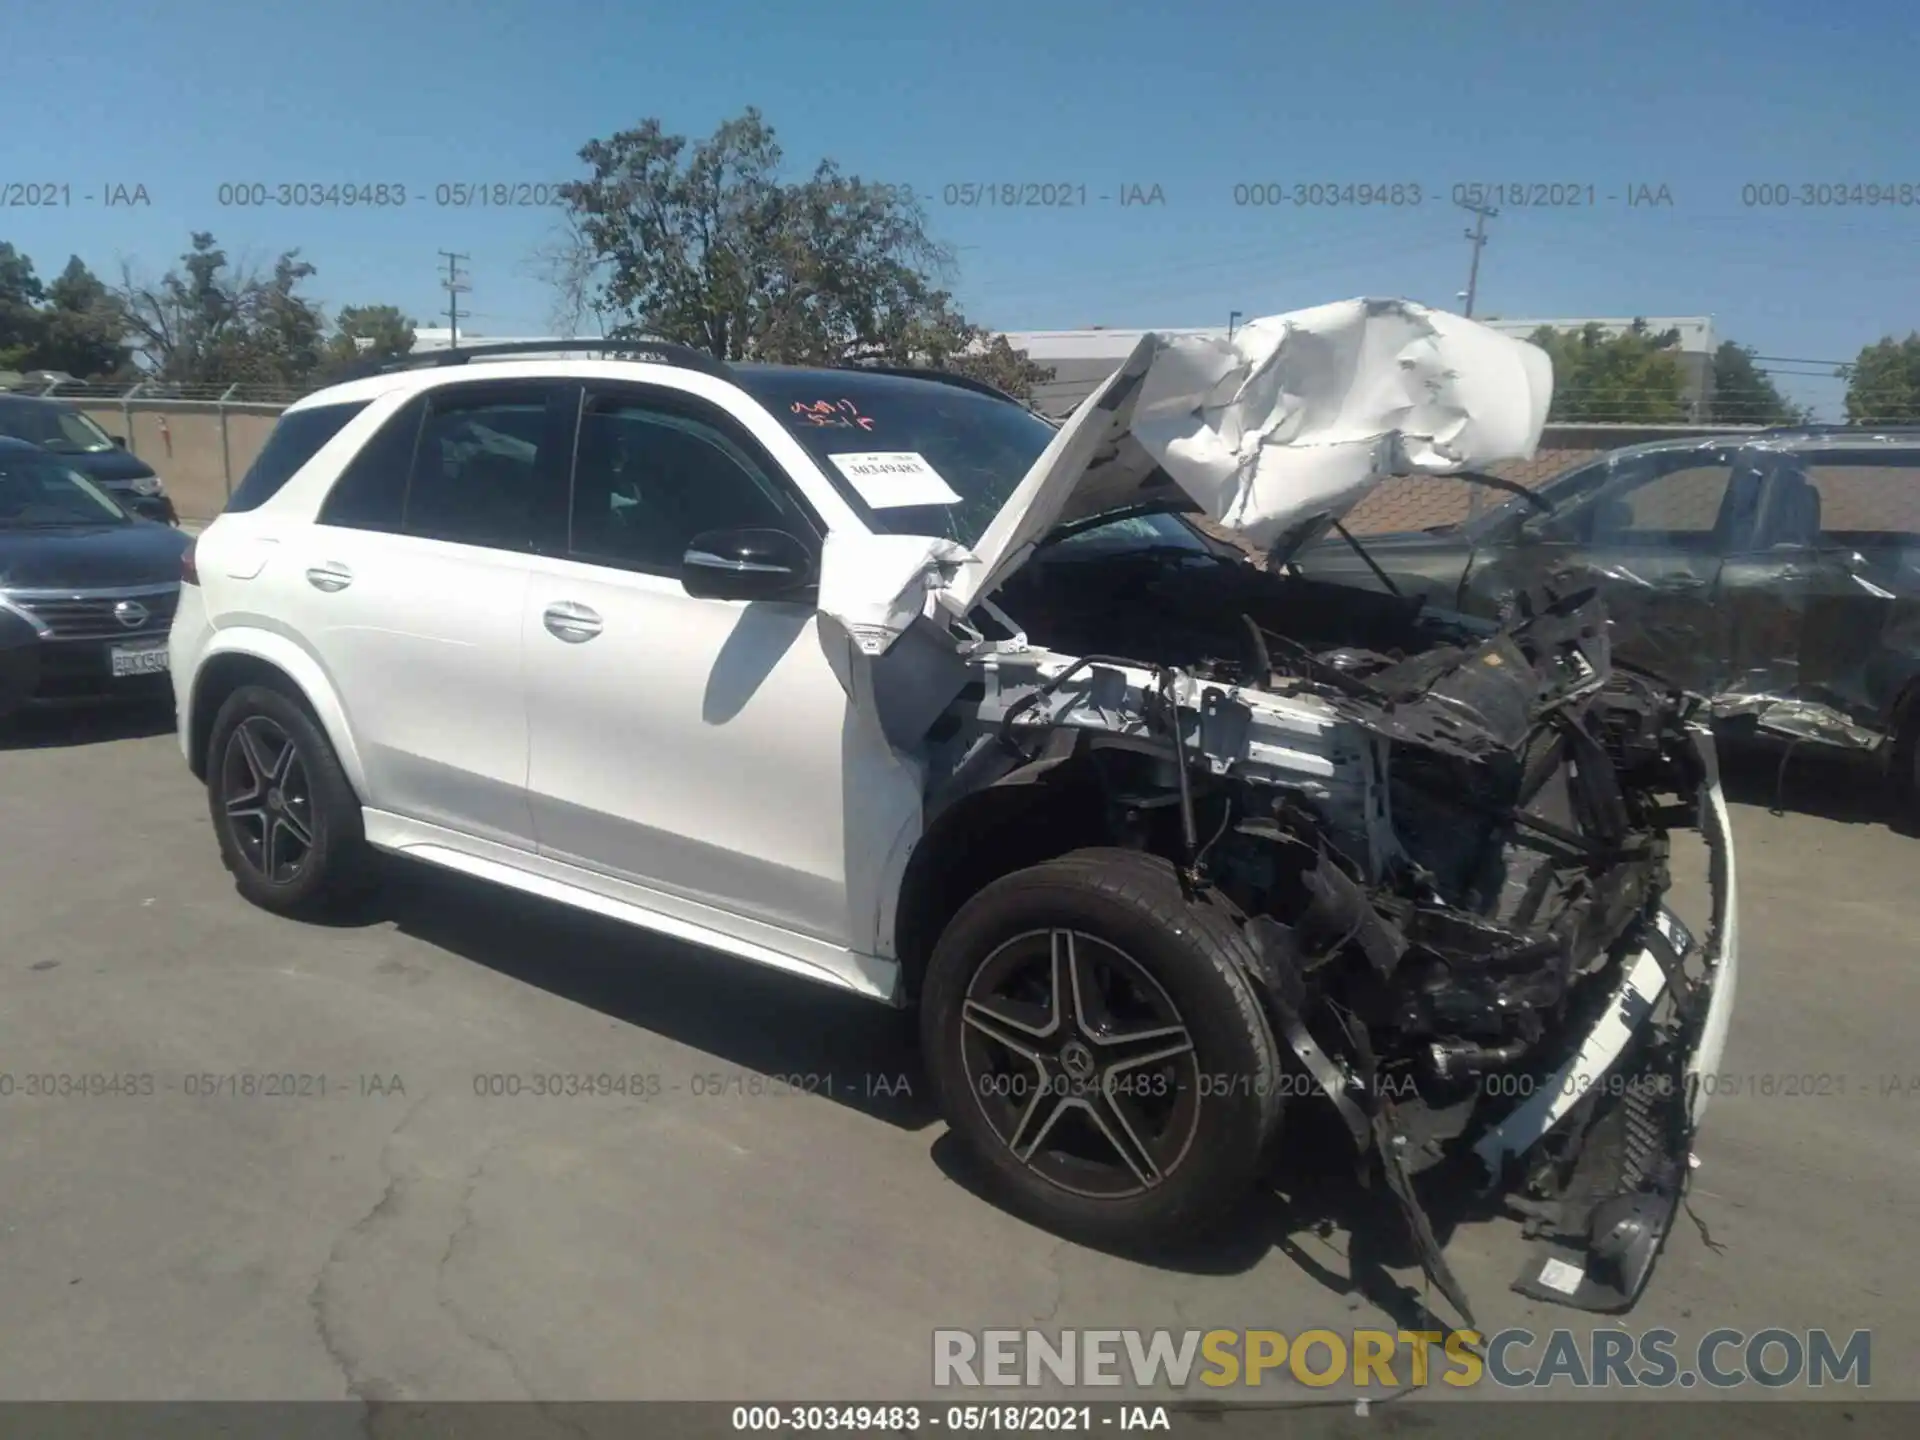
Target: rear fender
[{"x": 302, "y": 669}]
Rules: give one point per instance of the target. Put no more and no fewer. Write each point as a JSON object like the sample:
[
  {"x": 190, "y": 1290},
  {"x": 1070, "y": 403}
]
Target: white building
[{"x": 441, "y": 338}]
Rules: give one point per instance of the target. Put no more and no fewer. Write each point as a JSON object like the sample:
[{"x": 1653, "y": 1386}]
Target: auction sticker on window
[{"x": 889, "y": 479}]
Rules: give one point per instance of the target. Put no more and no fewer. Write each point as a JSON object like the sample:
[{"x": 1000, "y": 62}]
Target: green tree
[
  {"x": 20, "y": 296},
  {"x": 1883, "y": 384},
  {"x": 1745, "y": 395},
  {"x": 207, "y": 323},
  {"x": 72, "y": 324},
  {"x": 365, "y": 334},
  {"x": 1632, "y": 377},
  {"x": 705, "y": 244}
]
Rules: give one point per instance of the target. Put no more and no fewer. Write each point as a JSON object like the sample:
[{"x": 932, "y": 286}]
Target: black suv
[
  {"x": 1777, "y": 572},
  {"x": 104, "y": 459}
]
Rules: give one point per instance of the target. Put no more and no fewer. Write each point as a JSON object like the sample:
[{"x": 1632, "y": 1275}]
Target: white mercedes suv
[{"x": 879, "y": 678}]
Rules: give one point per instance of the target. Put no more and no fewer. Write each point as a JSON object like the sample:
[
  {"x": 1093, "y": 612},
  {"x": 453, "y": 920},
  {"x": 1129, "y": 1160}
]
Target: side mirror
[
  {"x": 120, "y": 441},
  {"x": 745, "y": 565}
]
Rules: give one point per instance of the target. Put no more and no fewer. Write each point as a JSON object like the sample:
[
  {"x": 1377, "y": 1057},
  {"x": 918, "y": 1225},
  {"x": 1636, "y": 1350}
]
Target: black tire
[
  {"x": 299, "y": 790},
  {"x": 1904, "y": 760},
  {"x": 1192, "y": 1146}
]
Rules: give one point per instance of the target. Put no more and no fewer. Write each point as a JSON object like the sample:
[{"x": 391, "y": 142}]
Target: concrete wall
[{"x": 199, "y": 449}]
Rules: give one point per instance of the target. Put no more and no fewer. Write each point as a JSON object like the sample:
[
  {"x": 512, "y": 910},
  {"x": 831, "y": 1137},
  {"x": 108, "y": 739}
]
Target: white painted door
[
  {"x": 413, "y": 595},
  {"x": 701, "y": 747}
]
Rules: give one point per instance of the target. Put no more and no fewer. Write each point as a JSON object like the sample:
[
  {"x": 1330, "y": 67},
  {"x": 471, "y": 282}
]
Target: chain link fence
[{"x": 86, "y": 392}]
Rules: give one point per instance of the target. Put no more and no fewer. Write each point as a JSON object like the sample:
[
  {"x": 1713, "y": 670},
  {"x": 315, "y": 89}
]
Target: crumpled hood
[{"x": 1296, "y": 417}]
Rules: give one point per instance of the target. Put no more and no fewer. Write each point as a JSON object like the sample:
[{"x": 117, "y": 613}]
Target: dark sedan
[
  {"x": 1778, "y": 573},
  {"x": 104, "y": 459},
  {"x": 87, "y": 590}
]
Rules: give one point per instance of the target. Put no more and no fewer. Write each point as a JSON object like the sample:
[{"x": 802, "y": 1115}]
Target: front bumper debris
[
  {"x": 1596, "y": 1153},
  {"x": 1638, "y": 1080}
]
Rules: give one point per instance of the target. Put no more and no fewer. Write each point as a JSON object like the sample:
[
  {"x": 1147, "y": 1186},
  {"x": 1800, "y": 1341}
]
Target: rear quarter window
[{"x": 294, "y": 441}]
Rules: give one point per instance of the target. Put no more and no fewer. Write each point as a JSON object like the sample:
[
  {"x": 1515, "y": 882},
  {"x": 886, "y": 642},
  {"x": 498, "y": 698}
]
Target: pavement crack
[
  {"x": 1055, "y": 1268},
  {"x": 361, "y": 1385},
  {"x": 475, "y": 1174}
]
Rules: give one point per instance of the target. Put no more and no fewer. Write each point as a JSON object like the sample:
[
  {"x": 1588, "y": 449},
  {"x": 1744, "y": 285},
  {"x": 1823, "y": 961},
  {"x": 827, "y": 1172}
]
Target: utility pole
[
  {"x": 454, "y": 285},
  {"x": 1478, "y": 235}
]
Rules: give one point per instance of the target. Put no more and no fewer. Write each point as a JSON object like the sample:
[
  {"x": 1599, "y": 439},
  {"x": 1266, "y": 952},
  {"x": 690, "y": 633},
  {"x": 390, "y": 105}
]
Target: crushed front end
[
  {"x": 1508, "y": 995},
  {"x": 1452, "y": 860}
]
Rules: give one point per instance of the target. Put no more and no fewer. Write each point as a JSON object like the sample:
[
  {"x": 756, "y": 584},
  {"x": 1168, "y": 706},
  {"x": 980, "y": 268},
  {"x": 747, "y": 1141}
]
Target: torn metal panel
[
  {"x": 1296, "y": 416},
  {"x": 875, "y": 586},
  {"x": 1798, "y": 720}
]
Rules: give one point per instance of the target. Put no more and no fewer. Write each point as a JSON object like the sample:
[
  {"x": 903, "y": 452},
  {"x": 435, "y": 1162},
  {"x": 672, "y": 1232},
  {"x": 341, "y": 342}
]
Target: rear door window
[
  {"x": 490, "y": 467},
  {"x": 295, "y": 440}
]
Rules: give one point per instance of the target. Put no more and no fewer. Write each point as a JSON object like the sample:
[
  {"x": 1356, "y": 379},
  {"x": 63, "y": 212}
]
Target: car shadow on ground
[
  {"x": 766, "y": 1028},
  {"x": 53, "y": 729},
  {"x": 758, "y": 1022},
  {"x": 1812, "y": 780},
  {"x": 1354, "y": 1239},
  {"x": 1312, "y": 1210}
]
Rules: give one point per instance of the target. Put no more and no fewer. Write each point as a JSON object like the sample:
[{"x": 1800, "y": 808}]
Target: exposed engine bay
[{"x": 1447, "y": 840}]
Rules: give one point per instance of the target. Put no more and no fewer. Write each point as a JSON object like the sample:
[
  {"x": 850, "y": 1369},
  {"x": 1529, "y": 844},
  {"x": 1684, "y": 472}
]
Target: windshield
[
  {"x": 37, "y": 491},
  {"x": 53, "y": 427},
  {"x": 913, "y": 457},
  {"x": 1128, "y": 534}
]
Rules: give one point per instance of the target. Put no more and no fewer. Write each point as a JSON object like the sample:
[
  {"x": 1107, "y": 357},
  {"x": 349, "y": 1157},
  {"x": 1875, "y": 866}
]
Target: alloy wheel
[
  {"x": 1081, "y": 1063},
  {"x": 268, "y": 800}
]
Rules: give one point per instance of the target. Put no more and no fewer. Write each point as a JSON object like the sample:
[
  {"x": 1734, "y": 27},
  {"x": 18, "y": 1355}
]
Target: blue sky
[{"x": 1195, "y": 98}]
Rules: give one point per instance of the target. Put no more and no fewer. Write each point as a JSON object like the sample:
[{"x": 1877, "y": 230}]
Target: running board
[{"x": 870, "y": 976}]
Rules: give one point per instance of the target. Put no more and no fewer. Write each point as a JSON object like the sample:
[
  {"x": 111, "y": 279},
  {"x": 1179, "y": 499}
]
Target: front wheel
[
  {"x": 286, "y": 816},
  {"x": 1092, "y": 1038}
]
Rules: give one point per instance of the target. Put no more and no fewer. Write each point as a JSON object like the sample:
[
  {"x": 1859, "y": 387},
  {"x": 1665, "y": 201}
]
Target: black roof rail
[
  {"x": 664, "y": 352},
  {"x": 944, "y": 377}
]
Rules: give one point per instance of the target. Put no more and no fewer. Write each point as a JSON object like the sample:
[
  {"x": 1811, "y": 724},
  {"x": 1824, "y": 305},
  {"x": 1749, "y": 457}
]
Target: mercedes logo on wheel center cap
[
  {"x": 130, "y": 613},
  {"x": 1077, "y": 1058}
]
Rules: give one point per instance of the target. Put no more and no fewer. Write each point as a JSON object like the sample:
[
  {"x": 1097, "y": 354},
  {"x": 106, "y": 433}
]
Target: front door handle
[
  {"x": 572, "y": 623},
  {"x": 330, "y": 577}
]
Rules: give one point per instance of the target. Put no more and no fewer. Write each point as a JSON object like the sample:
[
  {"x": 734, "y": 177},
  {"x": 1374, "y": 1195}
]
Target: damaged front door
[{"x": 1652, "y": 534}]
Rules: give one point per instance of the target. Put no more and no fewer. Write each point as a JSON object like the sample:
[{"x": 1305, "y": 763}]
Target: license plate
[{"x": 138, "y": 660}]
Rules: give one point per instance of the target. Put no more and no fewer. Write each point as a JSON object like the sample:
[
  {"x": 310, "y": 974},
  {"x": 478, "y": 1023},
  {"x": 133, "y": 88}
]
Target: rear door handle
[
  {"x": 572, "y": 623},
  {"x": 330, "y": 577}
]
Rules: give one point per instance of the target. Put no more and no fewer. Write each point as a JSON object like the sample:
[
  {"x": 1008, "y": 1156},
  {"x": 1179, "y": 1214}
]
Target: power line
[{"x": 454, "y": 285}]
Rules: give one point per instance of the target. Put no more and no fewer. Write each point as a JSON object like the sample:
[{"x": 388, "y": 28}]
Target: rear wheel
[
  {"x": 1906, "y": 767},
  {"x": 287, "y": 819},
  {"x": 1093, "y": 1039}
]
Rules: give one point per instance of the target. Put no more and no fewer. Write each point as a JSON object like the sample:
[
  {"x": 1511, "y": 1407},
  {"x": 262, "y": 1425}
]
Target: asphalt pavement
[{"x": 763, "y": 1207}]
